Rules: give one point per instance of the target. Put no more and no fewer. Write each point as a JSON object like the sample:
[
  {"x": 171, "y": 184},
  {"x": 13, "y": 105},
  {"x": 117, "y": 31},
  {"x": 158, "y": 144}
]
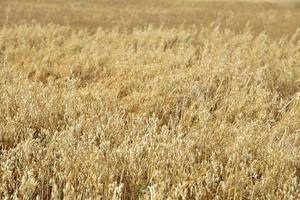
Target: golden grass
[
  {"x": 275, "y": 18},
  {"x": 134, "y": 111}
]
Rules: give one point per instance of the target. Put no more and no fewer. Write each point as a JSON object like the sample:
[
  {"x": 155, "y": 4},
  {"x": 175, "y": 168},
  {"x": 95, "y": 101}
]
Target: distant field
[
  {"x": 149, "y": 99},
  {"x": 274, "y": 17}
]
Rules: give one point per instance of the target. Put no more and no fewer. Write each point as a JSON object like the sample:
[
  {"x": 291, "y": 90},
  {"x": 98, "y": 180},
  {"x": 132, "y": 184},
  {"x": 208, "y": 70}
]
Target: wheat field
[{"x": 149, "y": 99}]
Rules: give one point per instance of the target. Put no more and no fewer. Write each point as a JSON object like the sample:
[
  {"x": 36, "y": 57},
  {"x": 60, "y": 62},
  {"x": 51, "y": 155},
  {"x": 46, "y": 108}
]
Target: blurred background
[{"x": 276, "y": 18}]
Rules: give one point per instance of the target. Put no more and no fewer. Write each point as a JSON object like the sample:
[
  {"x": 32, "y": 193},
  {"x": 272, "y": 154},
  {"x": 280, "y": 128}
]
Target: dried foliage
[{"x": 154, "y": 113}]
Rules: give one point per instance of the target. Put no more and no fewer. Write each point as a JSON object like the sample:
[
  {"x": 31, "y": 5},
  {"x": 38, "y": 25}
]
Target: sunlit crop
[{"x": 183, "y": 112}]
